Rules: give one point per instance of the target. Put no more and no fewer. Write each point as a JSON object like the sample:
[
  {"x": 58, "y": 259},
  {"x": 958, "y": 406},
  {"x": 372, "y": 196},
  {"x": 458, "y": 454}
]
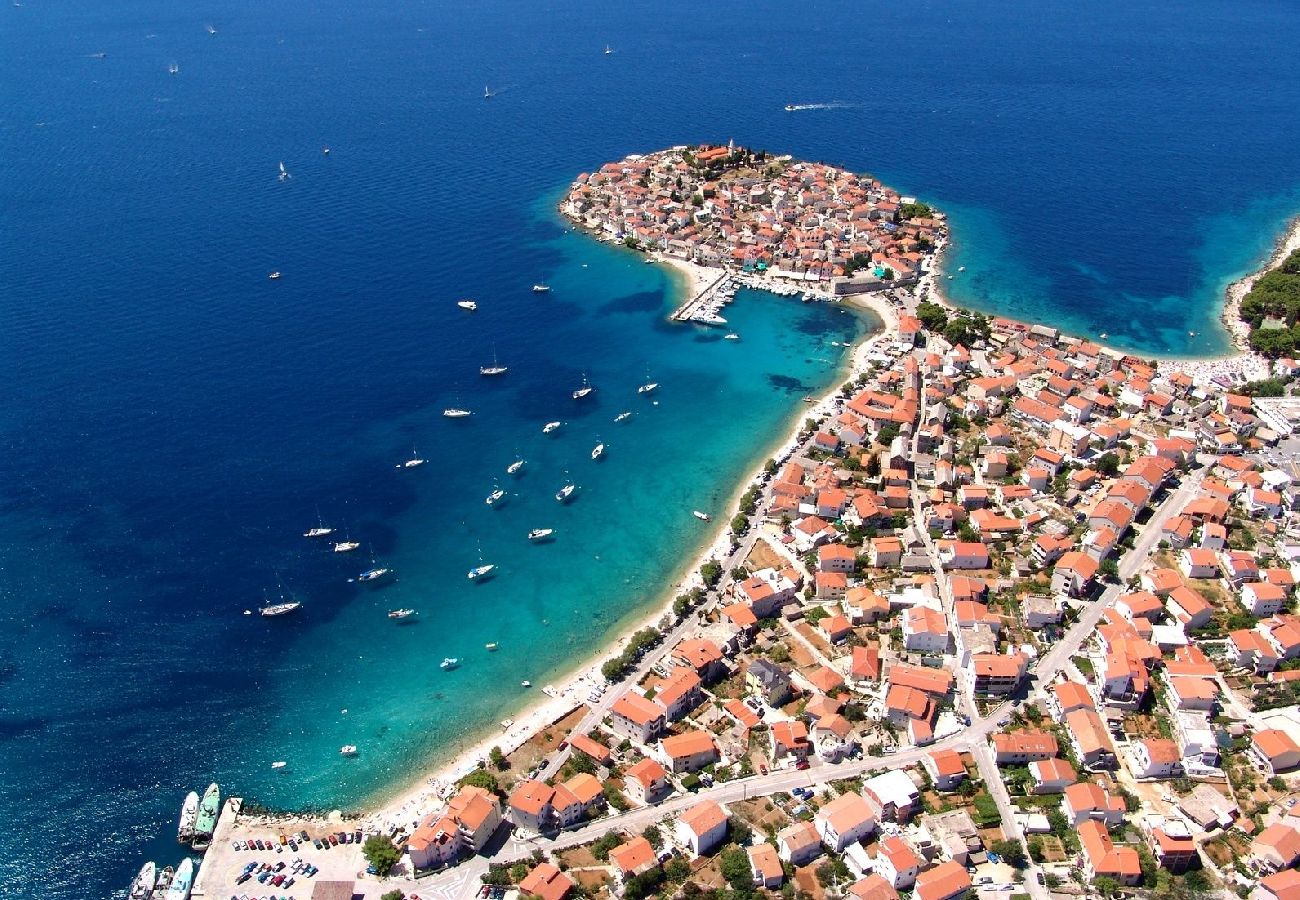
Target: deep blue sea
[{"x": 171, "y": 420}]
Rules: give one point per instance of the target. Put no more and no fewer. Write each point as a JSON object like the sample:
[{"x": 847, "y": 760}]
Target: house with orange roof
[
  {"x": 946, "y": 881},
  {"x": 646, "y": 783},
  {"x": 1275, "y": 750},
  {"x": 765, "y": 865},
  {"x": 845, "y": 820},
  {"x": 1189, "y": 608},
  {"x": 963, "y": 555},
  {"x": 1090, "y": 739},
  {"x": 1067, "y": 696},
  {"x": 679, "y": 693},
  {"x": 865, "y": 663},
  {"x": 885, "y": 552},
  {"x": 996, "y": 675},
  {"x": 632, "y": 858},
  {"x": 1052, "y": 776},
  {"x": 897, "y": 862},
  {"x": 1021, "y": 747},
  {"x": 530, "y": 805},
  {"x": 825, "y": 679},
  {"x": 1276, "y": 847},
  {"x": 702, "y": 827},
  {"x": 597, "y": 751},
  {"x": 1170, "y": 842},
  {"x": 790, "y": 739},
  {"x": 925, "y": 630},
  {"x": 689, "y": 751},
  {"x": 636, "y": 718},
  {"x": 1087, "y": 801},
  {"x": 1284, "y": 885},
  {"x": 435, "y": 843},
  {"x": 831, "y": 585},
  {"x": 1261, "y": 598},
  {"x": 799, "y": 844},
  {"x": 836, "y": 558},
  {"x": 946, "y": 769},
  {"x": 1156, "y": 758},
  {"x": 935, "y": 682},
  {"x": 1198, "y": 562},
  {"x": 1103, "y": 859},
  {"x": 547, "y": 882},
  {"x": 477, "y": 814}
]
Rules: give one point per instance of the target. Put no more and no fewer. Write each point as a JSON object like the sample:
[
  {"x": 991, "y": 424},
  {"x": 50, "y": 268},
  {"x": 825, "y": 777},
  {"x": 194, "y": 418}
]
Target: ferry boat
[
  {"x": 481, "y": 573},
  {"x": 541, "y": 288},
  {"x": 495, "y": 496},
  {"x": 449, "y": 663},
  {"x": 623, "y": 416},
  {"x": 182, "y": 881},
  {"x": 348, "y": 750},
  {"x": 274, "y": 276},
  {"x": 280, "y": 609},
  {"x": 702, "y": 516},
  {"x": 346, "y": 546},
  {"x": 514, "y": 467},
  {"x": 564, "y": 493},
  {"x": 455, "y": 412},
  {"x": 189, "y": 812},
  {"x": 414, "y": 461},
  {"x": 142, "y": 887},
  {"x": 584, "y": 390},
  {"x": 647, "y": 387},
  {"x": 204, "y": 825},
  {"x": 540, "y": 534},
  {"x": 598, "y": 451},
  {"x": 549, "y": 427},
  {"x": 467, "y": 304},
  {"x": 399, "y": 614},
  {"x": 494, "y": 369}
]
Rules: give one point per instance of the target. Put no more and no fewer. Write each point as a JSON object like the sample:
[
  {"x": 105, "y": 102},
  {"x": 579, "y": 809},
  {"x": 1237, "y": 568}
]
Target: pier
[{"x": 697, "y": 307}]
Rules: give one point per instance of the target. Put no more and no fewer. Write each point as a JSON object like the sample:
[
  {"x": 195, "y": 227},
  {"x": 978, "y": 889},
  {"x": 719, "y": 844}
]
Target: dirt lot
[
  {"x": 759, "y": 817},
  {"x": 1225, "y": 849},
  {"x": 527, "y": 756},
  {"x": 764, "y": 557}
]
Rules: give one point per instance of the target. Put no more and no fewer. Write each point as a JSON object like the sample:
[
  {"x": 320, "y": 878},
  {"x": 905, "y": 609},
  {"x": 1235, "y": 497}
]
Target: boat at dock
[
  {"x": 549, "y": 427},
  {"x": 400, "y": 614},
  {"x": 346, "y": 546},
  {"x": 564, "y": 493},
  {"x": 449, "y": 663},
  {"x": 702, "y": 516},
  {"x": 189, "y": 812},
  {"x": 455, "y": 412},
  {"x": 164, "y": 881},
  {"x": 182, "y": 882},
  {"x": 481, "y": 572},
  {"x": 280, "y": 609},
  {"x": 541, "y": 288},
  {"x": 540, "y": 534},
  {"x": 514, "y": 467},
  {"x": 598, "y": 451},
  {"x": 142, "y": 887},
  {"x": 348, "y": 750},
  {"x": 584, "y": 390},
  {"x": 204, "y": 825},
  {"x": 467, "y": 304}
]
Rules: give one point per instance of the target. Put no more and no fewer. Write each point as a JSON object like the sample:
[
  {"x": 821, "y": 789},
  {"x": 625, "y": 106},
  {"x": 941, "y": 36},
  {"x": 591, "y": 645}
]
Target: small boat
[
  {"x": 210, "y": 29},
  {"x": 490, "y": 646},
  {"x": 173, "y": 68},
  {"x": 164, "y": 881},
  {"x": 493, "y": 497},
  {"x": 541, "y": 288},
  {"x": 284, "y": 173},
  {"x": 189, "y": 812},
  {"x": 702, "y": 516},
  {"x": 455, "y": 412},
  {"x": 564, "y": 493},
  {"x": 731, "y": 337},
  {"x": 467, "y": 304},
  {"x": 487, "y": 94},
  {"x": 514, "y": 467},
  {"x": 414, "y": 461},
  {"x": 809, "y": 400},
  {"x": 449, "y": 663},
  {"x": 481, "y": 572},
  {"x": 274, "y": 276},
  {"x": 549, "y": 427},
  {"x": 584, "y": 390},
  {"x": 790, "y": 107},
  {"x": 346, "y": 546},
  {"x": 374, "y": 573},
  {"x": 204, "y": 824},
  {"x": 278, "y": 764},
  {"x": 540, "y": 534},
  {"x": 280, "y": 609},
  {"x": 961, "y": 268},
  {"x": 400, "y": 614},
  {"x": 608, "y": 50},
  {"x": 348, "y": 750},
  {"x": 1104, "y": 335},
  {"x": 182, "y": 881},
  {"x": 648, "y": 387},
  {"x": 622, "y": 417},
  {"x": 325, "y": 150},
  {"x": 598, "y": 451},
  {"x": 142, "y": 887},
  {"x": 526, "y": 684}
]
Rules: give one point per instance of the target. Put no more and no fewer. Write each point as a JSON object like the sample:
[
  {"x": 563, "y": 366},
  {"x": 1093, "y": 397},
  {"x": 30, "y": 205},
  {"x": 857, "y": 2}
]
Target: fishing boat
[
  {"x": 348, "y": 750},
  {"x": 400, "y": 614},
  {"x": 206, "y": 823},
  {"x": 623, "y": 416},
  {"x": 481, "y": 572},
  {"x": 584, "y": 390},
  {"x": 280, "y": 609},
  {"x": 189, "y": 812},
  {"x": 467, "y": 304},
  {"x": 490, "y": 646},
  {"x": 455, "y": 412},
  {"x": 414, "y": 461},
  {"x": 541, "y": 288},
  {"x": 514, "y": 467},
  {"x": 274, "y": 276},
  {"x": 346, "y": 546},
  {"x": 284, "y": 173},
  {"x": 494, "y": 497},
  {"x": 278, "y": 764},
  {"x": 142, "y": 887},
  {"x": 540, "y": 534},
  {"x": 598, "y": 451},
  {"x": 449, "y": 663},
  {"x": 182, "y": 881},
  {"x": 564, "y": 493},
  {"x": 647, "y": 387},
  {"x": 702, "y": 516},
  {"x": 549, "y": 427}
]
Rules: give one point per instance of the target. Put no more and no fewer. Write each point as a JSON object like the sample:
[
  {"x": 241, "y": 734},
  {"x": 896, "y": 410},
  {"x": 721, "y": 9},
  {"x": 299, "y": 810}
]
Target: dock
[{"x": 693, "y": 308}]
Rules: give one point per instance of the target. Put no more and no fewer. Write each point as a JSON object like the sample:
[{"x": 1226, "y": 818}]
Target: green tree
[
  {"x": 1011, "y": 851},
  {"x": 392, "y": 895},
  {"x": 481, "y": 778},
  {"x": 497, "y": 758},
  {"x": 605, "y": 843},
  {"x": 654, "y": 836},
  {"x": 1105, "y": 885},
  {"x": 734, "y": 865},
  {"x": 498, "y": 874},
  {"x": 380, "y": 851},
  {"x": 933, "y": 316}
]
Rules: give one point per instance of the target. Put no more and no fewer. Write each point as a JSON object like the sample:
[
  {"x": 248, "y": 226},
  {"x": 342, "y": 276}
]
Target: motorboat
[
  {"x": 400, "y": 614},
  {"x": 280, "y": 609},
  {"x": 181, "y": 883},
  {"x": 346, "y": 546},
  {"x": 549, "y": 427},
  {"x": 490, "y": 646},
  {"x": 204, "y": 824},
  {"x": 647, "y": 387},
  {"x": 455, "y": 412},
  {"x": 731, "y": 337},
  {"x": 790, "y": 107},
  {"x": 622, "y": 417},
  {"x": 564, "y": 493},
  {"x": 541, "y": 288},
  {"x": 348, "y": 750},
  {"x": 526, "y": 684},
  {"x": 189, "y": 812},
  {"x": 467, "y": 304},
  {"x": 278, "y": 764},
  {"x": 702, "y": 516},
  {"x": 608, "y": 50},
  {"x": 142, "y": 887},
  {"x": 514, "y": 467},
  {"x": 164, "y": 881},
  {"x": 598, "y": 451},
  {"x": 540, "y": 534},
  {"x": 449, "y": 663},
  {"x": 481, "y": 572},
  {"x": 173, "y": 68},
  {"x": 488, "y": 94},
  {"x": 274, "y": 276},
  {"x": 493, "y": 497}
]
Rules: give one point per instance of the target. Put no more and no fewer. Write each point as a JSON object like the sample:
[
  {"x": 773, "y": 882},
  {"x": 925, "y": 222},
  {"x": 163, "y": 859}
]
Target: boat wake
[{"x": 800, "y": 107}]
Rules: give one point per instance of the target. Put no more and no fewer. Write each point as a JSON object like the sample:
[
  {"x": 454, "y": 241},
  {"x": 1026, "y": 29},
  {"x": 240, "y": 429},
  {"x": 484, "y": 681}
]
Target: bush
[
  {"x": 607, "y": 842},
  {"x": 481, "y": 778}
]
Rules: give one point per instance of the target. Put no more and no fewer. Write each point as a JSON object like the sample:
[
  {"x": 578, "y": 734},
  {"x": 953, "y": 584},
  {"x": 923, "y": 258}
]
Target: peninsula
[{"x": 1007, "y": 610}]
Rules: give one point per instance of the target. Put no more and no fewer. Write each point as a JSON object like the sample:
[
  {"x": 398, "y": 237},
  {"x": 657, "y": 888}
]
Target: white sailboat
[
  {"x": 514, "y": 467},
  {"x": 414, "y": 461},
  {"x": 584, "y": 390},
  {"x": 284, "y": 173},
  {"x": 346, "y": 546},
  {"x": 321, "y": 530},
  {"x": 348, "y": 750},
  {"x": 481, "y": 572},
  {"x": 487, "y": 93},
  {"x": 456, "y": 412},
  {"x": 648, "y": 387},
  {"x": 495, "y": 497},
  {"x": 623, "y": 416},
  {"x": 564, "y": 493},
  {"x": 598, "y": 451},
  {"x": 541, "y": 288},
  {"x": 496, "y": 368}
]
